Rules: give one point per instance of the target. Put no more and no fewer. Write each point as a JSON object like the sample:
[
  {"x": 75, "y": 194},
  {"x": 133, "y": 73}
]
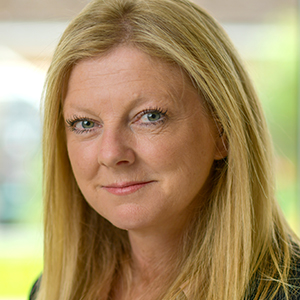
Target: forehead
[
  {"x": 125, "y": 67},
  {"x": 127, "y": 63}
]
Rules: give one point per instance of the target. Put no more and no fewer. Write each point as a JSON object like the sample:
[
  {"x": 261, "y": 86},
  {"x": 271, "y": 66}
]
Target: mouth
[{"x": 125, "y": 188}]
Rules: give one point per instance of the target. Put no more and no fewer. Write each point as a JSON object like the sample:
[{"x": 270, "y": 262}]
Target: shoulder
[
  {"x": 293, "y": 283},
  {"x": 34, "y": 289},
  {"x": 292, "y": 286},
  {"x": 294, "y": 280}
]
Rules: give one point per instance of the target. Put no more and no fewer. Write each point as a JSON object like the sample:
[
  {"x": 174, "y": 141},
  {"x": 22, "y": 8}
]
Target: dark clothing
[
  {"x": 293, "y": 287},
  {"x": 34, "y": 289}
]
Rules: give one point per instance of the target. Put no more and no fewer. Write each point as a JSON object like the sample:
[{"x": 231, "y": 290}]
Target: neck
[
  {"x": 154, "y": 260},
  {"x": 153, "y": 254}
]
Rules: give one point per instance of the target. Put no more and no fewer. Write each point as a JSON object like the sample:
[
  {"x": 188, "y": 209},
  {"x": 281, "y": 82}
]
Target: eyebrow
[{"x": 166, "y": 97}]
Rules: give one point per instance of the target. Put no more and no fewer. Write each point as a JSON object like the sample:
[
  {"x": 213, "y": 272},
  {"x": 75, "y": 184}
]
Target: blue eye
[
  {"x": 81, "y": 124},
  {"x": 86, "y": 124},
  {"x": 151, "y": 117}
]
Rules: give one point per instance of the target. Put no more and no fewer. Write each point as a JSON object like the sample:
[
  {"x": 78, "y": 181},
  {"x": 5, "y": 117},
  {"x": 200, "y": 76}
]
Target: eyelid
[
  {"x": 161, "y": 111},
  {"x": 71, "y": 124}
]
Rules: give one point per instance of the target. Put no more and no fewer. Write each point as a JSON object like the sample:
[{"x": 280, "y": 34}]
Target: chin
[
  {"x": 130, "y": 217},
  {"x": 129, "y": 225}
]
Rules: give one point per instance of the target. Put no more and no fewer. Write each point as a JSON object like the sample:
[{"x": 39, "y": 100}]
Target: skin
[{"x": 144, "y": 171}]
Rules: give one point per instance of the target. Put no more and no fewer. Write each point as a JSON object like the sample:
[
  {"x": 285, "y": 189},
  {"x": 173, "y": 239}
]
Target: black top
[
  {"x": 34, "y": 289},
  {"x": 293, "y": 286}
]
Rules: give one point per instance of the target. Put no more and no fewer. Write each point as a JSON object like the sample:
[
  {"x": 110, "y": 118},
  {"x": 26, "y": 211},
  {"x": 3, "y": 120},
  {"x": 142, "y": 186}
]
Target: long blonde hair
[{"x": 239, "y": 237}]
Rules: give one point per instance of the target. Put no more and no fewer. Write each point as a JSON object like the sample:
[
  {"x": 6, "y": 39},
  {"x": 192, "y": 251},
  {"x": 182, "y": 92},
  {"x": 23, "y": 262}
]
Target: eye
[
  {"x": 151, "y": 117},
  {"x": 86, "y": 124},
  {"x": 82, "y": 124}
]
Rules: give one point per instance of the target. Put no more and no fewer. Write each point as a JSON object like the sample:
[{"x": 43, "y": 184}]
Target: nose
[{"x": 115, "y": 149}]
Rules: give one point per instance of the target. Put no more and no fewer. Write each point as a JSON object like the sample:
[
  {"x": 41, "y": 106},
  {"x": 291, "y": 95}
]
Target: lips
[{"x": 125, "y": 188}]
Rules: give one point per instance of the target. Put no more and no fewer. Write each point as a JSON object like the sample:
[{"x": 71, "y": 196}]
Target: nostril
[
  {"x": 122, "y": 162},
  {"x": 113, "y": 153}
]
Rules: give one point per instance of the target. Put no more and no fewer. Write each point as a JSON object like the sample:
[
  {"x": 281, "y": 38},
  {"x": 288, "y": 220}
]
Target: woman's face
[{"x": 140, "y": 143}]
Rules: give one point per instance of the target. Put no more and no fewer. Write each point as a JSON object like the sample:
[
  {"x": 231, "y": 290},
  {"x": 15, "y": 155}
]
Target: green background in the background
[
  {"x": 276, "y": 81},
  {"x": 275, "y": 77}
]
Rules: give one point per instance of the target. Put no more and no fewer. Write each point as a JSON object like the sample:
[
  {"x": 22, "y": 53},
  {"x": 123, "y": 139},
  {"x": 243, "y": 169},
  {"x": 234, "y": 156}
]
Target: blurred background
[{"x": 265, "y": 33}]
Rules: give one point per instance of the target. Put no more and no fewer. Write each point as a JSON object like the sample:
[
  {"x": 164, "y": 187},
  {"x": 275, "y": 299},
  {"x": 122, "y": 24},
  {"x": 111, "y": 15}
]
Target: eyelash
[
  {"x": 75, "y": 119},
  {"x": 156, "y": 110},
  {"x": 71, "y": 123}
]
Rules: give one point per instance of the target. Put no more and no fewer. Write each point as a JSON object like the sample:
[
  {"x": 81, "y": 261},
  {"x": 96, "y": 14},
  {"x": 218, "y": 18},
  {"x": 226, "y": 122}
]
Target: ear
[{"x": 221, "y": 145}]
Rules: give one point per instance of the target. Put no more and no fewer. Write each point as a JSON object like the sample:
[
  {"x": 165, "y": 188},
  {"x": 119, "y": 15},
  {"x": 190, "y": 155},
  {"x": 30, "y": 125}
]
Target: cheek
[
  {"x": 83, "y": 158},
  {"x": 158, "y": 153},
  {"x": 192, "y": 158},
  {"x": 183, "y": 155}
]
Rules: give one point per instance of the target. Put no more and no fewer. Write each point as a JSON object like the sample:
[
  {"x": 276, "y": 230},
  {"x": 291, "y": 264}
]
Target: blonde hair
[{"x": 239, "y": 237}]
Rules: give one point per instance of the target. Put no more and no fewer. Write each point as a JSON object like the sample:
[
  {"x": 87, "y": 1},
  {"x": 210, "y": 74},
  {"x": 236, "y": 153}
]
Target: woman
[{"x": 158, "y": 169}]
